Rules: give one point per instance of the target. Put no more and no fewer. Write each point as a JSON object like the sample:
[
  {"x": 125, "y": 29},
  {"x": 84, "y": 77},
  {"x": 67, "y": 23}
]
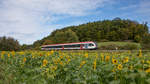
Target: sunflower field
[{"x": 58, "y": 67}]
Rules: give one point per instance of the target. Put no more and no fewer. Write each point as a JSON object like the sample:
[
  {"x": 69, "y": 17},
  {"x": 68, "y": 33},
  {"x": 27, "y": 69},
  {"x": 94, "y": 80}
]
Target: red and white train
[{"x": 71, "y": 46}]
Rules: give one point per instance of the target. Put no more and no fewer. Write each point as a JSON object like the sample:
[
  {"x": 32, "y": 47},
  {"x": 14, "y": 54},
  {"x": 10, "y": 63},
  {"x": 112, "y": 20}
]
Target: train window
[
  {"x": 69, "y": 46},
  {"x": 58, "y": 46},
  {"x": 91, "y": 44},
  {"x": 53, "y": 47},
  {"x": 77, "y": 45},
  {"x": 65, "y": 46}
]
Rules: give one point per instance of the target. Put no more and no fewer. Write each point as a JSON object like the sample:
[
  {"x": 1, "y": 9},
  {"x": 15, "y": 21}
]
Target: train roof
[{"x": 68, "y": 43}]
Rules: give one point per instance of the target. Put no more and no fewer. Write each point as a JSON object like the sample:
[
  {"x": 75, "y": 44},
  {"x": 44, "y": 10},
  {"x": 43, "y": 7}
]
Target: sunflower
[
  {"x": 47, "y": 54},
  {"x": 61, "y": 57},
  {"x": 8, "y": 55},
  {"x": 55, "y": 61},
  {"x": 21, "y": 53},
  {"x": 102, "y": 57},
  {"x": 45, "y": 62},
  {"x": 140, "y": 53},
  {"x": 58, "y": 60},
  {"x": 130, "y": 67},
  {"x": 148, "y": 61},
  {"x": 51, "y": 52},
  {"x": 126, "y": 59},
  {"x": 114, "y": 61},
  {"x": 61, "y": 63},
  {"x": 68, "y": 61},
  {"x": 142, "y": 61},
  {"x": 86, "y": 55},
  {"x": 96, "y": 56},
  {"x": 33, "y": 56},
  {"x": 107, "y": 58},
  {"x": 67, "y": 57},
  {"x": 3, "y": 52},
  {"x": 40, "y": 54},
  {"x": 147, "y": 70},
  {"x": 82, "y": 63},
  {"x": 2, "y": 56},
  {"x": 53, "y": 68},
  {"x": 13, "y": 53},
  {"x": 114, "y": 70},
  {"x": 120, "y": 67},
  {"x": 94, "y": 64},
  {"x": 24, "y": 59}
]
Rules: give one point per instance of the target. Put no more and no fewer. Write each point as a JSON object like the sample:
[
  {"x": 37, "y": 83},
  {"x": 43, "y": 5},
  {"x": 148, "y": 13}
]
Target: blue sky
[{"x": 31, "y": 20}]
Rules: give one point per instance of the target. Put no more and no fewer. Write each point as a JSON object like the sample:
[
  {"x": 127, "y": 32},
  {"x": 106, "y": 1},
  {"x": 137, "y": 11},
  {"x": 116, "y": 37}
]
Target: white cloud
[{"x": 28, "y": 20}]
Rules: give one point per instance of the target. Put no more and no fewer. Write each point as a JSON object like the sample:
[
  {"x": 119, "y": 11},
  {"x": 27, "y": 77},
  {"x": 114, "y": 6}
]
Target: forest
[{"x": 100, "y": 31}]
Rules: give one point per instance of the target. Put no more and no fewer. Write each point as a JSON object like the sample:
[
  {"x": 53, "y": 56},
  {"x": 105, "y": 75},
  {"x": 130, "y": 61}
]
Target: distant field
[{"x": 121, "y": 44}]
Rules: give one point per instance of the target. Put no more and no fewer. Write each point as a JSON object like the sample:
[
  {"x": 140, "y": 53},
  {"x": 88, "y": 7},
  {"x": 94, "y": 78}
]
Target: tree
[
  {"x": 146, "y": 41},
  {"x": 65, "y": 37},
  {"x": 117, "y": 18},
  {"x": 9, "y": 44},
  {"x": 46, "y": 42},
  {"x": 98, "y": 36},
  {"x": 26, "y": 47},
  {"x": 138, "y": 39},
  {"x": 112, "y": 36},
  {"x": 123, "y": 34}
]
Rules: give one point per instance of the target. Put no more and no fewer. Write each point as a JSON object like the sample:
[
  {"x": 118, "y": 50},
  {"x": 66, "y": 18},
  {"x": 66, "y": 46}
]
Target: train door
[
  {"x": 63, "y": 47},
  {"x": 86, "y": 46},
  {"x": 81, "y": 46}
]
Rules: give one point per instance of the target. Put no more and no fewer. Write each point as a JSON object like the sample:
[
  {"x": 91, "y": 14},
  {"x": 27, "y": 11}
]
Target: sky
[{"x": 31, "y": 20}]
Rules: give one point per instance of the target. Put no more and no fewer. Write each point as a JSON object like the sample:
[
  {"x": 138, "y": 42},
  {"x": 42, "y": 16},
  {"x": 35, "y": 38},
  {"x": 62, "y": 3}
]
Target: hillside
[{"x": 99, "y": 31}]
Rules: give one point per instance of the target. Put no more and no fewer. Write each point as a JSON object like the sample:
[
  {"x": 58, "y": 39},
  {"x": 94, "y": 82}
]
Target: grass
[
  {"x": 117, "y": 43},
  {"x": 122, "y": 44}
]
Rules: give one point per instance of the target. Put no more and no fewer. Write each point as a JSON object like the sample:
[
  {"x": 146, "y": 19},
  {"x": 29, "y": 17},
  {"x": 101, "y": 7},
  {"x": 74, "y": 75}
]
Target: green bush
[
  {"x": 146, "y": 46},
  {"x": 109, "y": 47},
  {"x": 119, "y": 47},
  {"x": 129, "y": 47}
]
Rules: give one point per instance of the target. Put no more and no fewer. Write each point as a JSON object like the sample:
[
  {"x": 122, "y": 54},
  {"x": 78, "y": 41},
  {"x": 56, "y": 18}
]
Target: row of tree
[{"x": 9, "y": 44}]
